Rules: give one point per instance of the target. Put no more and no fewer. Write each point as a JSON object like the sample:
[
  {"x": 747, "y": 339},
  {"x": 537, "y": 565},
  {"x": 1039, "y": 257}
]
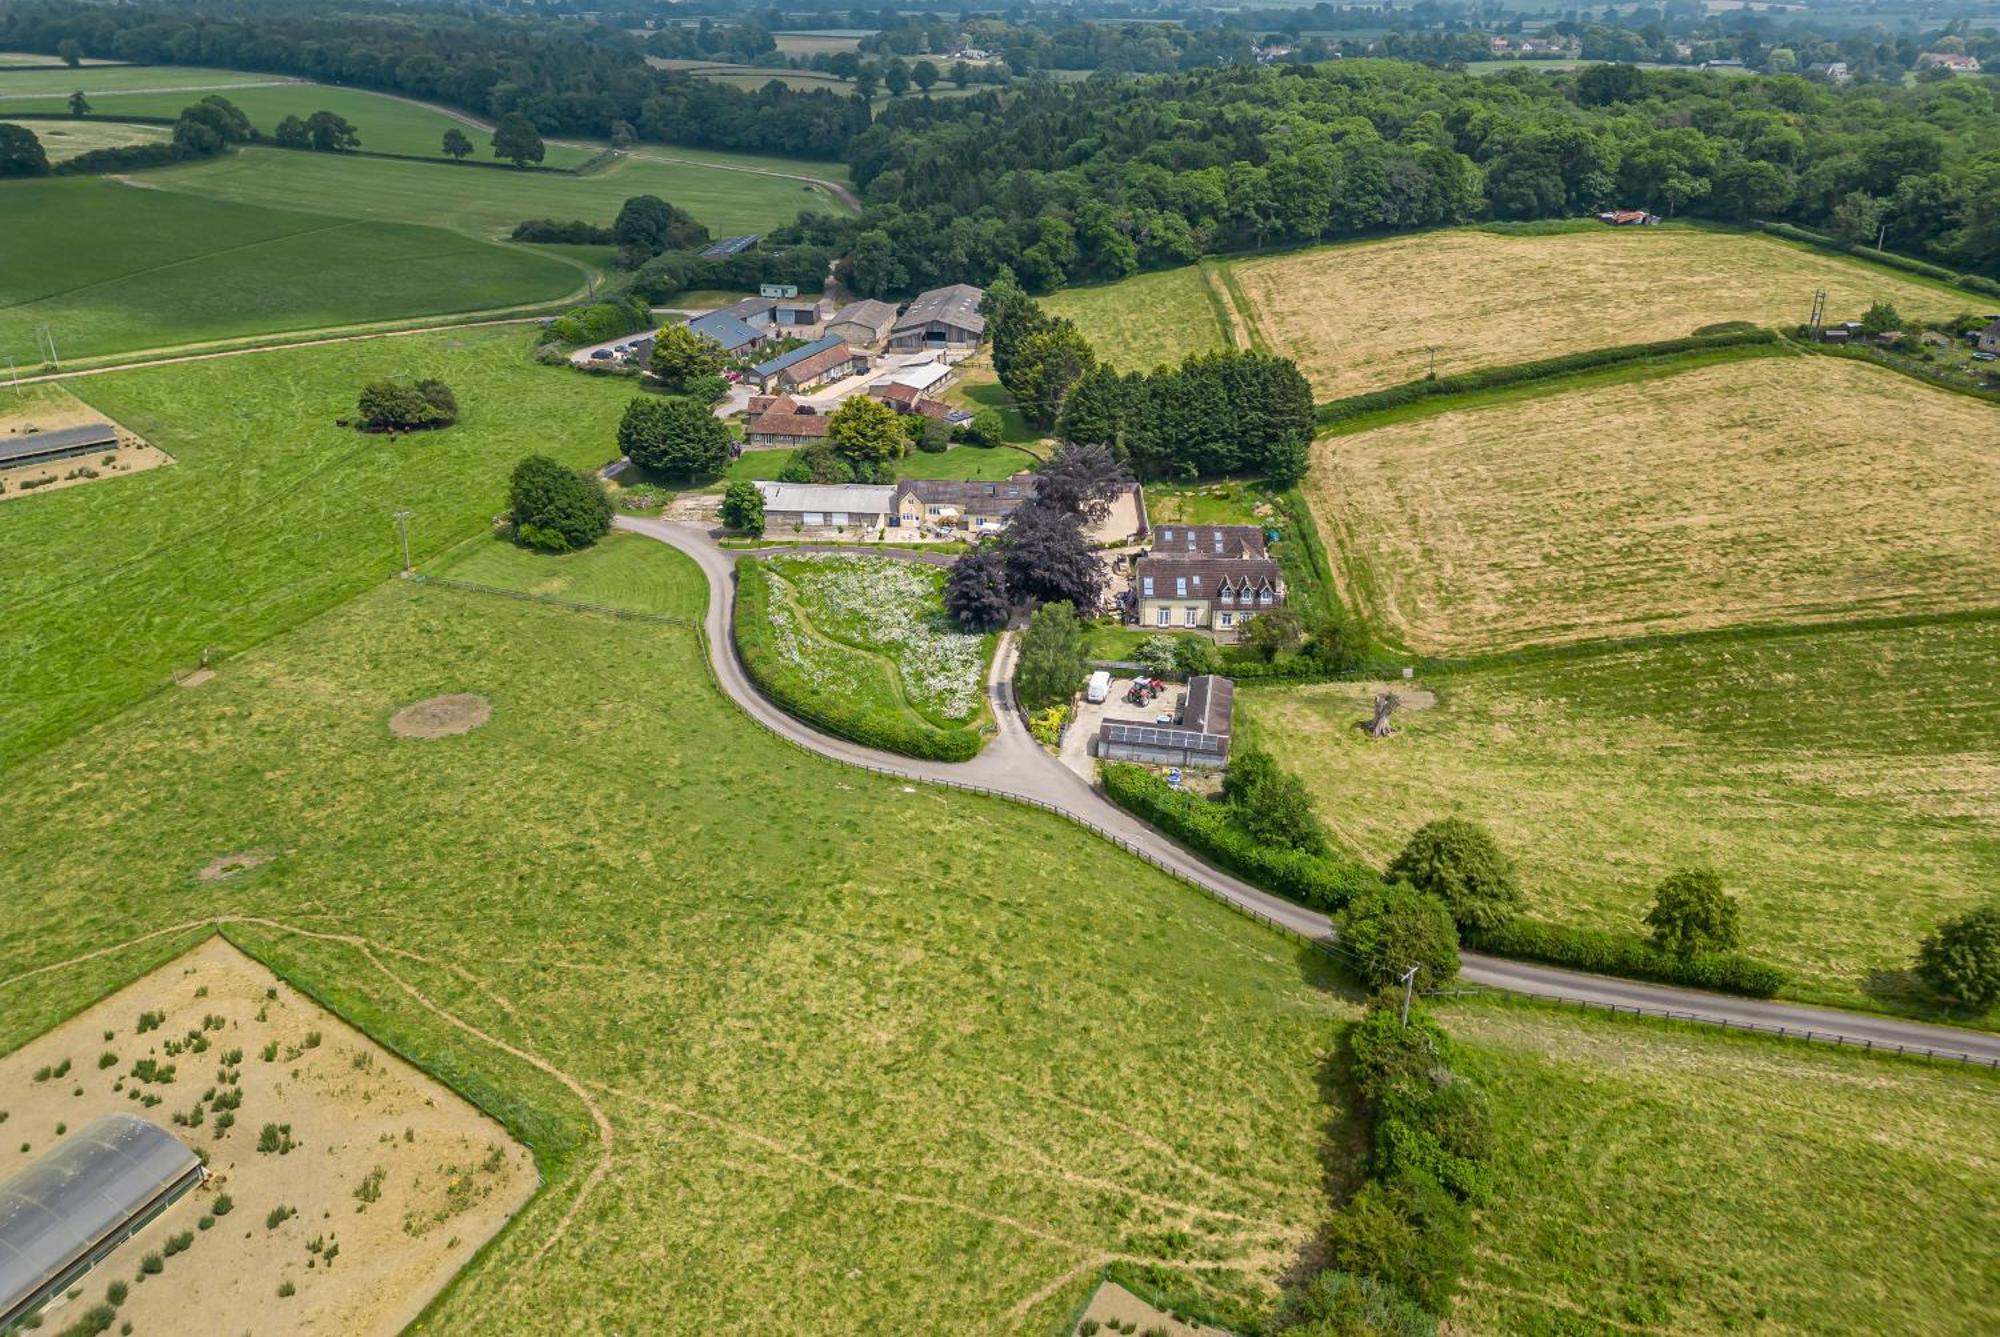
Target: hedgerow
[
  {"x": 1520, "y": 373},
  {"x": 838, "y": 713},
  {"x": 1322, "y": 881},
  {"x": 1970, "y": 282},
  {"x": 1628, "y": 955}
]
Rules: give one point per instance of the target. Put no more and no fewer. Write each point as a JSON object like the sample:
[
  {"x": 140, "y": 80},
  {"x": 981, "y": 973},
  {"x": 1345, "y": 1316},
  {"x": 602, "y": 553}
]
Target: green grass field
[
  {"x": 622, "y": 571},
  {"x": 269, "y": 515},
  {"x": 957, "y": 462},
  {"x": 104, "y": 80},
  {"x": 1140, "y": 322},
  {"x": 63, "y": 140},
  {"x": 486, "y": 202},
  {"x": 110, "y": 268},
  {"x": 1843, "y": 783},
  {"x": 1658, "y": 1179}
]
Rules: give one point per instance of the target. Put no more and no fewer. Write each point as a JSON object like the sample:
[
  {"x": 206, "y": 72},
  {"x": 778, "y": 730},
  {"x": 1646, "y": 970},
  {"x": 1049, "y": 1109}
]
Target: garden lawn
[
  {"x": 1666, "y": 503},
  {"x": 1137, "y": 323},
  {"x": 870, "y": 1058},
  {"x": 270, "y": 513},
  {"x": 110, "y": 268},
  {"x": 1364, "y": 315},
  {"x": 1679, "y": 1180},
  {"x": 488, "y": 202},
  {"x": 892, "y": 612},
  {"x": 1845, "y": 785}
]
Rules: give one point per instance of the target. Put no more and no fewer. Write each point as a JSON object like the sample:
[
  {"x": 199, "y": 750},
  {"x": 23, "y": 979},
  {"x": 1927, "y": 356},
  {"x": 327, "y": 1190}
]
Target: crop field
[
  {"x": 880, "y": 1059},
  {"x": 125, "y": 269},
  {"x": 856, "y": 623},
  {"x": 270, "y": 513},
  {"x": 1359, "y": 317},
  {"x": 812, "y": 43},
  {"x": 1757, "y": 491},
  {"x": 1137, "y": 323},
  {"x": 63, "y": 140},
  {"x": 1666, "y": 1180},
  {"x": 386, "y": 124},
  {"x": 1844, "y": 784},
  {"x": 489, "y": 202},
  {"x": 96, "y": 80}
]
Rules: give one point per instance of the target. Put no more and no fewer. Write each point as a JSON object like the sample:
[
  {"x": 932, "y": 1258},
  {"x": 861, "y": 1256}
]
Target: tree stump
[{"x": 1385, "y": 705}]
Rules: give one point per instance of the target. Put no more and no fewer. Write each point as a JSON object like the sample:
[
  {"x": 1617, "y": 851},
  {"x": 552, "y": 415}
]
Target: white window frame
[
  {"x": 1163, "y": 616},
  {"x": 815, "y": 517},
  {"x": 1228, "y": 619},
  {"x": 1191, "y": 616}
]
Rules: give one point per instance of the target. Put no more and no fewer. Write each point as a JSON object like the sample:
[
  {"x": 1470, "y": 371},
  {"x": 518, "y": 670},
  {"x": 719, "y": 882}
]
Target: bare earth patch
[
  {"x": 226, "y": 865},
  {"x": 391, "y": 1173},
  {"x": 1773, "y": 490},
  {"x": 441, "y": 716},
  {"x": 1113, "y": 1306},
  {"x": 45, "y": 408},
  {"x": 1364, "y": 316}
]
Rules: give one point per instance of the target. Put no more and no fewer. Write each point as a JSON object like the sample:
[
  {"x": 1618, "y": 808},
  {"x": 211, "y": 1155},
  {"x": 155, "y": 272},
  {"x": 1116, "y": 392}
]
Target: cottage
[
  {"x": 808, "y": 365},
  {"x": 863, "y": 324},
  {"x": 1954, "y": 61},
  {"x": 1196, "y": 592},
  {"x": 962, "y": 503},
  {"x": 1988, "y": 339},
  {"x": 1833, "y": 71},
  {"x": 845, "y": 506},
  {"x": 1200, "y": 737},
  {"x": 786, "y": 429},
  {"x": 941, "y": 318},
  {"x": 729, "y": 332},
  {"x": 63, "y": 443}
]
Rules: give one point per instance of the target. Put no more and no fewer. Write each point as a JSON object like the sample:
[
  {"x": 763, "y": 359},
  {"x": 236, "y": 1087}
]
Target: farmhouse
[
  {"x": 1199, "y": 738},
  {"x": 785, "y": 428},
  {"x": 809, "y": 365},
  {"x": 962, "y": 503},
  {"x": 864, "y": 324},
  {"x": 69, "y": 1210},
  {"x": 728, "y": 331},
  {"x": 1834, "y": 71},
  {"x": 827, "y": 506},
  {"x": 1215, "y": 576},
  {"x": 1988, "y": 339},
  {"x": 941, "y": 318},
  {"x": 1950, "y": 60},
  {"x": 63, "y": 443}
]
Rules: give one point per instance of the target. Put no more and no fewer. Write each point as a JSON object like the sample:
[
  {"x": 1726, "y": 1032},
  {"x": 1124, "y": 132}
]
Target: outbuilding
[
  {"x": 941, "y": 318},
  {"x": 808, "y": 365},
  {"x": 71, "y": 1209},
  {"x": 1199, "y": 737},
  {"x": 865, "y": 323},
  {"x": 63, "y": 443},
  {"x": 842, "y": 506}
]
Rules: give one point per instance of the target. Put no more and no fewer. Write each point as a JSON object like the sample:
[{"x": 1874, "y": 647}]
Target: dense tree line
[{"x": 1072, "y": 183}]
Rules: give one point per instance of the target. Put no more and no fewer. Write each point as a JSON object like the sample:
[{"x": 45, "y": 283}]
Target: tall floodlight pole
[{"x": 403, "y": 531}]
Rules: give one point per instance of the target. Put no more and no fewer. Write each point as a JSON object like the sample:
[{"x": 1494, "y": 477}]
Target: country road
[{"x": 1014, "y": 766}]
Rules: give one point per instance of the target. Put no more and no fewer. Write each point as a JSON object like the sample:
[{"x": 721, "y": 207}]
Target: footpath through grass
[
  {"x": 269, "y": 515},
  {"x": 110, "y": 268}
]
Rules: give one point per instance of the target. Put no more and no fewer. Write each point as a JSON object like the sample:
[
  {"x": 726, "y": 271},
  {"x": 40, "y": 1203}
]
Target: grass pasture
[
  {"x": 1140, "y": 322},
  {"x": 1666, "y": 503},
  {"x": 881, "y": 1059},
  {"x": 269, "y": 515},
  {"x": 1842, "y": 783},
  {"x": 1361, "y": 316},
  {"x": 1661, "y": 1179},
  {"x": 486, "y": 202},
  {"x": 63, "y": 140},
  {"x": 811, "y": 44},
  {"x": 621, "y": 571},
  {"x": 95, "y": 80},
  {"x": 111, "y": 268}
]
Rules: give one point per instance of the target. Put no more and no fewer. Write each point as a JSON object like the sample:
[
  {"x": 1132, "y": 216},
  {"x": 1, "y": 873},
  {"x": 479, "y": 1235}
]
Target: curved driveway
[{"x": 1014, "y": 766}]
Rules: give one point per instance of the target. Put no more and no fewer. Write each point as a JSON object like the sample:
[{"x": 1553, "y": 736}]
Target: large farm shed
[
  {"x": 941, "y": 318},
  {"x": 63, "y": 443},
  {"x": 69, "y": 1210}
]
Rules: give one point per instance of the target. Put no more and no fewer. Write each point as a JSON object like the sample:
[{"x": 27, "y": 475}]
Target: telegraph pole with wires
[
  {"x": 403, "y": 531},
  {"x": 1409, "y": 987}
]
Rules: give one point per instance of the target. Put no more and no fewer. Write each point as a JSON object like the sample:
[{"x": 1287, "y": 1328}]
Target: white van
[{"x": 1099, "y": 688}]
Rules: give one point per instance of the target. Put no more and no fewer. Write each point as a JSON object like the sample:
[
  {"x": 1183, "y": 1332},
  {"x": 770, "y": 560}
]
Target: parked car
[
  {"x": 600, "y": 355},
  {"x": 1985, "y": 357}
]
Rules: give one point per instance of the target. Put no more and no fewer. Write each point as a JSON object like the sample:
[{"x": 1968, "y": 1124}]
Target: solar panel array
[{"x": 1147, "y": 735}]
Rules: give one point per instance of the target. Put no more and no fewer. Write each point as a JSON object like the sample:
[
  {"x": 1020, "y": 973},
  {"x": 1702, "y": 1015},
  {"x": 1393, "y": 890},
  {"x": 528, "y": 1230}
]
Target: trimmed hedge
[
  {"x": 756, "y": 646},
  {"x": 1322, "y": 881},
  {"x": 1909, "y": 265},
  {"x": 1628, "y": 955},
  {"x": 1521, "y": 373}
]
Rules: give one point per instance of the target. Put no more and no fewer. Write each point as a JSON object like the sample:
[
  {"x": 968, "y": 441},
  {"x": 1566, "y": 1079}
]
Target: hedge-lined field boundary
[
  {"x": 1978, "y": 283},
  {"x": 756, "y": 645},
  {"x": 1629, "y": 956}
]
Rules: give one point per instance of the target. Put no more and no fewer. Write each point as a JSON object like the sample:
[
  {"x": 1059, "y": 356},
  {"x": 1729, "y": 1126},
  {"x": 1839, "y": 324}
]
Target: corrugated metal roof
[
  {"x": 853, "y": 498},
  {"x": 27, "y": 445},
  {"x": 773, "y": 366},
  {"x": 731, "y": 246},
  {"x": 956, "y": 305},
  {"x": 725, "y": 329},
  {"x": 68, "y": 1202}
]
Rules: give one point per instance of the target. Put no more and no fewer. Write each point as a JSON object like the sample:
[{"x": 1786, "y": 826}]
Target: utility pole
[
  {"x": 1882, "y": 236},
  {"x": 54, "y": 361},
  {"x": 1433, "y": 350},
  {"x": 1409, "y": 987},
  {"x": 403, "y": 530}
]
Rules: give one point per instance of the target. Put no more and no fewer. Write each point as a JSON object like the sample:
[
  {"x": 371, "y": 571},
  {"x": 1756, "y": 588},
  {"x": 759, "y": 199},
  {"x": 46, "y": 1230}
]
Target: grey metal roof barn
[
  {"x": 61, "y": 444},
  {"x": 730, "y": 246},
  {"x": 1200, "y": 739},
  {"x": 942, "y": 316},
  {"x": 70, "y": 1209}
]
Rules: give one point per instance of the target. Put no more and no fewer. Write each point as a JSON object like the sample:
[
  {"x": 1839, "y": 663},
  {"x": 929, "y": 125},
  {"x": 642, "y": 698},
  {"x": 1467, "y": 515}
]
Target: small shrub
[
  {"x": 178, "y": 1243},
  {"x": 270, "y": 1053},
  {"x": 106, "y": 1060},
  {"x": 206, "y": 1223},
  {"x": 224, "y": 1204},
  {"x": 370, "y": 1187},
  {"x": 152, "y": 1265},
  {"x": 277, "y": 1216},
  {"x": 150, "y": 1021},
  {"x": 61, "y": 1128},
  {"x": 286, "y": 1290},
  {"x": 115, "y": 1293},
  {"x": 312, "y": 1040},
  {"x": 275, "y": 1137}
]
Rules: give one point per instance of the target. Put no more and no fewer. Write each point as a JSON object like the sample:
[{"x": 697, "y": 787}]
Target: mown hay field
[
  {"x": 1359, "y": 317},
  {"x": 1762, "y": 490},
  {"x": 1844, "y": 784},
  {"x": 63, "y": 140}
]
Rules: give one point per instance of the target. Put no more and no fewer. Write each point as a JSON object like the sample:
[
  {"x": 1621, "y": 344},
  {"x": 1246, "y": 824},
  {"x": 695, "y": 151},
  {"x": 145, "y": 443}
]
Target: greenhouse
[{"x": 65, "y": 1213}]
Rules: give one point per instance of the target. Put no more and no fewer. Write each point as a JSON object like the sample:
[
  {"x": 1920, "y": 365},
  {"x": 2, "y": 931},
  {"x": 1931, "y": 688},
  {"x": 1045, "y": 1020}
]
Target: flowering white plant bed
[{"x": 897, "y": 609}]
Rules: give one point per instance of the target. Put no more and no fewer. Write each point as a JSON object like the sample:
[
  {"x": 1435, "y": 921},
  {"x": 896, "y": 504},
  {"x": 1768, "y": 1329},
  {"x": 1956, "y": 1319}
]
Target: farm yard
[
  {"x": 1665, "y": 503},
  {"x": 488, "y": 202},
  {"x": 371, "y": 1185},
  {"x": 118, "y": 278},
  {"x": 1356, "y": 319},
  {"x": 270, "y": 514},
  {"x": 1800, "y": 768}
]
